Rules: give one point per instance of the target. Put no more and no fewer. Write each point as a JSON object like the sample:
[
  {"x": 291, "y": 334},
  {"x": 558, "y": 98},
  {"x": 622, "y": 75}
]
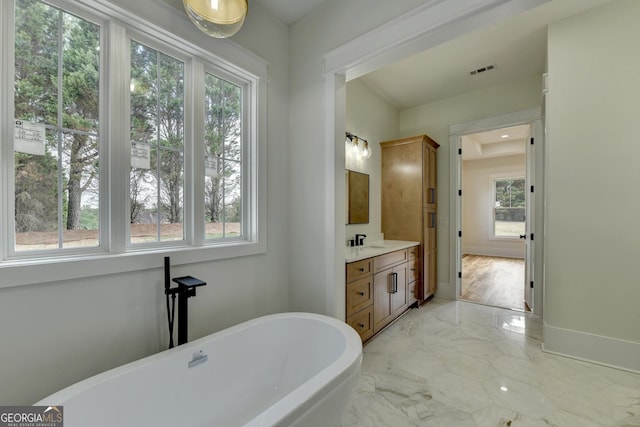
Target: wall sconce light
[
  {"x": 217, "y": 18},
  {"x": 358, "y": 146}
]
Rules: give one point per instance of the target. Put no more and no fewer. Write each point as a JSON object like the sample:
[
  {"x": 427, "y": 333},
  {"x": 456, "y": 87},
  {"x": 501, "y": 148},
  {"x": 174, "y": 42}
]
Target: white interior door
[{"x": 529, "y": 237}]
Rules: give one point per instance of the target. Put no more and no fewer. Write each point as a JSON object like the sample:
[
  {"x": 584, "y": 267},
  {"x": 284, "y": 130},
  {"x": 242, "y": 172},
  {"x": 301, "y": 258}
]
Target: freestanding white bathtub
[{"x": 290, "y": 369}]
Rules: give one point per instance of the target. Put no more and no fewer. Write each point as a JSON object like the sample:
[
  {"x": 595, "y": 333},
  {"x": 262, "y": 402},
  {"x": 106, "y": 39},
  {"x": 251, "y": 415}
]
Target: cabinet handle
[
  {"x": 362, "y": 325},
  {"x": 360, "y": 293},
  {"x": 361, "y": 269},
  {"x": 395, "y": 282},
  {"x": 432, "y": 220},
  {"x": 432, "y": 195}
]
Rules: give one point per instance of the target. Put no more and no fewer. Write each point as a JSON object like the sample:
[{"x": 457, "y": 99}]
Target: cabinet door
[
  {"x": 382, "y": 286},
  {"x": 429, "y": 177},
  {"x": 401, "y": 188},
  {"x": 399, "y": 294},
  {"x": 429, "y": 279}
]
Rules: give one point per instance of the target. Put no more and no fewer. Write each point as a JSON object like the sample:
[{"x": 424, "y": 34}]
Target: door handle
[{"x": 523, "y": 236}]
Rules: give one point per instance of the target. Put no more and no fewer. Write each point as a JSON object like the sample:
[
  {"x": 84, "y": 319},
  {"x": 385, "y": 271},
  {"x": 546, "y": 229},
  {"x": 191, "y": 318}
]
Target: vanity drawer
[
  {"x": 381, "y": 262},
  {"x": 359, "y": 295},
  {"x": 413, "y": 272},
  {"x": 362, "y": 322},
  {"x": 359, "y": 269}
]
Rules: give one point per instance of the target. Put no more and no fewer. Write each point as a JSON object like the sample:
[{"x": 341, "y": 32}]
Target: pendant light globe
[{"x": 217, "y": 18}]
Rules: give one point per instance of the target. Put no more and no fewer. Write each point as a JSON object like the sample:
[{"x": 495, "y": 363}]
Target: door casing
[{"x": 533, "y": 117}]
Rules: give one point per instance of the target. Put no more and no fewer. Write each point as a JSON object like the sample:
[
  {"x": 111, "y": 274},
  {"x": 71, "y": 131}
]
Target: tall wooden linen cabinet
[{"x": 409, "y": 205}]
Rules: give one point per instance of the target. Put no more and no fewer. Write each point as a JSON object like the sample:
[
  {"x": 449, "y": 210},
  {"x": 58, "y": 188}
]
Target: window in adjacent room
[{"x": 509, "y": 207}]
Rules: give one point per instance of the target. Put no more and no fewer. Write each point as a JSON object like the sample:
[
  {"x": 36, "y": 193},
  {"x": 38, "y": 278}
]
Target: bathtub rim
[{"x": 298, "y": 400}]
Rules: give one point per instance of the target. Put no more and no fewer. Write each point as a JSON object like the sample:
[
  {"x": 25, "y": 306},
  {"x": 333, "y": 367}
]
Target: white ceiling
[
  {"x": 503, "y": 142},
  {"x": 289, "y": 11},
  {"x": 517, "y": 47}
]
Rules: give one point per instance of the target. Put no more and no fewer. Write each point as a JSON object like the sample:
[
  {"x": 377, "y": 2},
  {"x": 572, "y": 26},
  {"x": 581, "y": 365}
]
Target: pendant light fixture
[{"x": 217, "y": 18}]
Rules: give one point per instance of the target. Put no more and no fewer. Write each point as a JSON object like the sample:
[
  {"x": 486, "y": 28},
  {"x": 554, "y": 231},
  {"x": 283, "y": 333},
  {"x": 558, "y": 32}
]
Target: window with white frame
[
  {"x": 156, "y": 191},
  {"x": 56, "y": 154},
  {"x": 189, "y": 146},
  {"x": 509, "y": 207},
  {"x": 223, "y": 184}
]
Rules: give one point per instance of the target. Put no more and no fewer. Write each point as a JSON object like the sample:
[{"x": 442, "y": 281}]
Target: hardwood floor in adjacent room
[{"x": 493, "y": 281}]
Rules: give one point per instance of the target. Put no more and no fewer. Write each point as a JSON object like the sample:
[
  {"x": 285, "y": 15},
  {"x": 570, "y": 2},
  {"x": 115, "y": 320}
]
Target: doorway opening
[
  {"x": 493, "y": 217},
  {"x": 496, "y": 217}
]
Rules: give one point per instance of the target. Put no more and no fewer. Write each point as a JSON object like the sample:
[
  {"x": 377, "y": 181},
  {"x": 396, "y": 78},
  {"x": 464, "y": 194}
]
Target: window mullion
[
  {"x": 7, "y": 72},
  {"x": 118, "y": 138},
  {"x": 59, "y": 134},
  {"x": 194, "y": 153},
  {"x": 158, "y": 154}
]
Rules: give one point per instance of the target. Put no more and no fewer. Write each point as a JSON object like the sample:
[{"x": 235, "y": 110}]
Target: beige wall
[
  {"x": 593, "y": 201},
  {"x": 434, "y": 119},
  {"x": 477, "y": 205},
  {"x": 372, "y": 118}
]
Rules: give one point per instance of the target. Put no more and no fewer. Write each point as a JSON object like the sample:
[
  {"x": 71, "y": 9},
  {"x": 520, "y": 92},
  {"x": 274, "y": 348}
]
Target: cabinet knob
[
  {"x": 361, "y": 325},
  {"x": 361, "y": 294},
  {"x": 361, "y": 269}
]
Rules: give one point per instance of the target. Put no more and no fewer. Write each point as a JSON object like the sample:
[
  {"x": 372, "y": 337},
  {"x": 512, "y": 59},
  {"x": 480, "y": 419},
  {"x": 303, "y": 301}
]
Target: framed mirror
[{"x": 357, "y": 197}]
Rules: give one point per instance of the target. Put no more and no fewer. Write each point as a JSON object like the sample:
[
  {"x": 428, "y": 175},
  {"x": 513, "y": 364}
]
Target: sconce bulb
[
  {"x": 354, "y": 145},
  {"x": 366, "y": 151}
]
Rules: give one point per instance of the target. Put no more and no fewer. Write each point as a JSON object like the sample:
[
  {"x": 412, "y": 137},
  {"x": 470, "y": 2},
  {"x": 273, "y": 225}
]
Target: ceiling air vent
[{"x": 483, "y": 69}]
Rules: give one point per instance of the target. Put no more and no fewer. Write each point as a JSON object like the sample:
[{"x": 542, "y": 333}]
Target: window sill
[{"x": 20, "y": 273}]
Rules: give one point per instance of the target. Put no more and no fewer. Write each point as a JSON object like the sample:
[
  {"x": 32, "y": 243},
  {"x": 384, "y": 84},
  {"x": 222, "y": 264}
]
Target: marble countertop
[{"x": 356, "y": 253}]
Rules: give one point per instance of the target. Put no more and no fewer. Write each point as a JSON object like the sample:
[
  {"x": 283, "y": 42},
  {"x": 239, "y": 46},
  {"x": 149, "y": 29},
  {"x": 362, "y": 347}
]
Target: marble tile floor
[{"x": 458, "y": 364}]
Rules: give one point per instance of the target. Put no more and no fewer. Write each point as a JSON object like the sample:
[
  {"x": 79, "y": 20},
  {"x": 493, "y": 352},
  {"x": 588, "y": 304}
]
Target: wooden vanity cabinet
[
  {"x": 379, "y": 289},
  {"x": 359, "y": 297},
  {"x": 413, "y": 275},
  {"x": 389, "y": 295},
  {"x": 409, "y": 202}
]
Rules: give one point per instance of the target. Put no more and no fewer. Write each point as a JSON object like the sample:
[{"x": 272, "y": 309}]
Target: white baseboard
[
  {"x": 490, "y": 251},
  {"x": 607, "y": 351}
]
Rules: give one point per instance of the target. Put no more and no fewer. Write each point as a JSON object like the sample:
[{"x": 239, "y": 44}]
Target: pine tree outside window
[
  {"x": 156, "y": 193},
  {"x": 223, "y": 158},
  {"x": 57, "y": 92},
  {"x": 118, "y": 139}
]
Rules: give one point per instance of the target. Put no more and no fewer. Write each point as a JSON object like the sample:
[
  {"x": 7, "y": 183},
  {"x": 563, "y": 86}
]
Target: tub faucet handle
[{"x": 198, "y": 358}]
